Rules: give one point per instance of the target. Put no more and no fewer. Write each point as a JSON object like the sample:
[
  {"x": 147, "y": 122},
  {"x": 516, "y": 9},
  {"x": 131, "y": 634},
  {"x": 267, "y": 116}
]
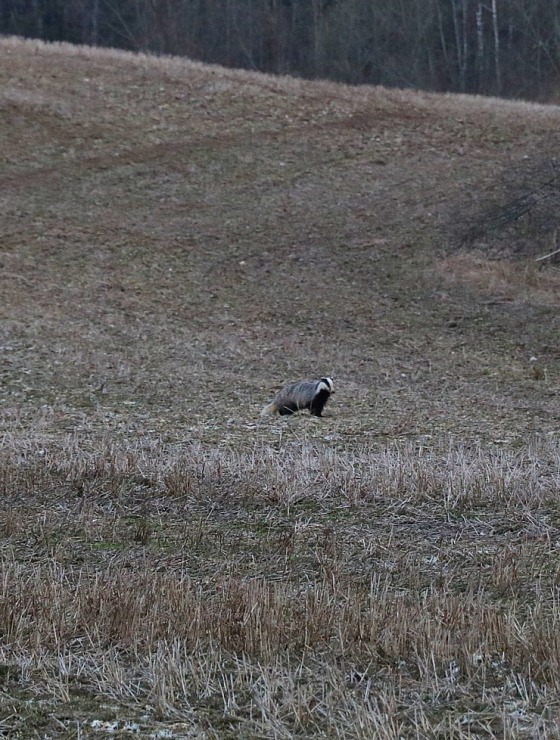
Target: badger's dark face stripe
[{"x": 328, "y": 383}]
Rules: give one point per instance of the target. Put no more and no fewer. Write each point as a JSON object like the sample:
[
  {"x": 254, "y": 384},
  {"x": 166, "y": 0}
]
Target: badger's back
[{"x": 295, "y": 397}]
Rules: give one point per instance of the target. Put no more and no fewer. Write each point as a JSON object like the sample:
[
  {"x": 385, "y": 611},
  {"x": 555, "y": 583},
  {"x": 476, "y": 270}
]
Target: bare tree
[{"x": 494, "y": 10}]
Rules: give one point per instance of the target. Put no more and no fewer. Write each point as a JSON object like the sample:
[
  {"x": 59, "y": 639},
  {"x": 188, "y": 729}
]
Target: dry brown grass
[
  {"x": 178, "y": 240},
  {"x": 394, "y": 592},
  {"x": 522, "y": 281}
]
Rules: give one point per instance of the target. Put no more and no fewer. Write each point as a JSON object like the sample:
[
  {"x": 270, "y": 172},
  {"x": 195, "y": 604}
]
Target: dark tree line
[{"x": 498, "y": 47}]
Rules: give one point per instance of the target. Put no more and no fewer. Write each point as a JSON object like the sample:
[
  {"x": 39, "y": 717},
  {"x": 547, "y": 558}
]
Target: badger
[{"x": 307, "y": 394}]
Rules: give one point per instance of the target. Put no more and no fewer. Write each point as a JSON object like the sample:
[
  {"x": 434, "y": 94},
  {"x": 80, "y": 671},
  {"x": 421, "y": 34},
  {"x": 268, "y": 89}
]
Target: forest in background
[{"x": 508, "y": 48}]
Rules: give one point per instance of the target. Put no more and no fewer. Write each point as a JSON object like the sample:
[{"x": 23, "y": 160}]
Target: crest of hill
[{"x": 159, "y": 98}]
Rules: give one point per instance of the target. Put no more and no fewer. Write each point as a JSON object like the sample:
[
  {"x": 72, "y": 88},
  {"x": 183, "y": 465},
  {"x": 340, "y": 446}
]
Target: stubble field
[{"x": 176, "y": 242}]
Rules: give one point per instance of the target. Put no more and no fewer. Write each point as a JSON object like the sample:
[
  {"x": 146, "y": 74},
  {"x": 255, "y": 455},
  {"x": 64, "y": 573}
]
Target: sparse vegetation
[
  {"x": 179, "y": 240},
  {"x": 398, "y": 591},
  {"x": 515, "y": 216}
]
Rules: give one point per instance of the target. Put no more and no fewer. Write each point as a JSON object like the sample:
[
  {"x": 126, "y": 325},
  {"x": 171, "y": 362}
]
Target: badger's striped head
[{"x": 325, "y": 384}]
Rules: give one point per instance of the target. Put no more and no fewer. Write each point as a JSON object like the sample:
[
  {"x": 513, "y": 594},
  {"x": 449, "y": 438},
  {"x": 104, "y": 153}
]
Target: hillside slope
[{"x": 184, "y": 238}]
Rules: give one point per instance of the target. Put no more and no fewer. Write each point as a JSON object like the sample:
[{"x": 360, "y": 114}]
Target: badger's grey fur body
[{"x": 307, "y": 394}]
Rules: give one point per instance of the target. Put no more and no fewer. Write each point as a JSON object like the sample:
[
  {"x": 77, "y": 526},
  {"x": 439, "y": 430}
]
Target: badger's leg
[{"x": 318, "y": 403}]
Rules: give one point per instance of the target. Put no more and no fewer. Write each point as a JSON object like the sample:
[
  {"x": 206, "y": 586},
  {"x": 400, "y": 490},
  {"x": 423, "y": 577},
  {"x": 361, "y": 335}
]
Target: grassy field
[{"x": 177, "y": 241}]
